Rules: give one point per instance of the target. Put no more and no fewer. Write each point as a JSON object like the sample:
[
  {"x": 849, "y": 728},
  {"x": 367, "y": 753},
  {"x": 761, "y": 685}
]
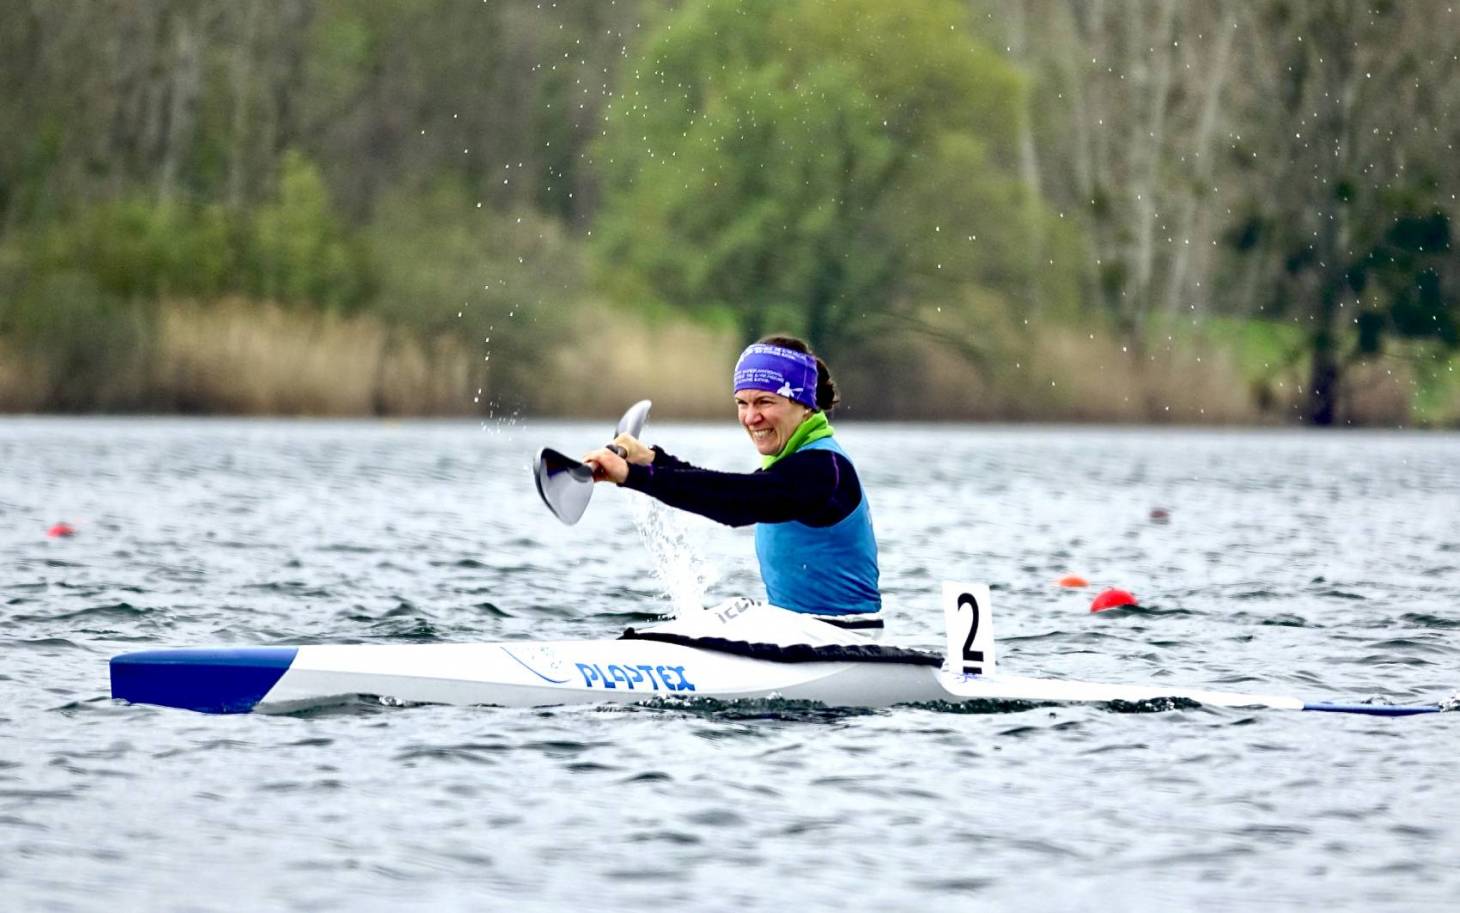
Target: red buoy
[
  {"x": 1112, "y": 598},
  {"x": 61, "y": 530},
  {"x": 1073, "y": 581}
]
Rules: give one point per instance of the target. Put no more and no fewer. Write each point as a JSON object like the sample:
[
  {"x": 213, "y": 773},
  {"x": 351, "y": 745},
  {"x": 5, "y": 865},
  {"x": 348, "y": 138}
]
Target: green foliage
[
  {"x": 812, "y": 166},
  {"x": 293, "y": 249},
  {"x": 855, "y": 170},
  {"x": 1395, "y": 281},
  {"x": 503, "y": 283},
  {"x": 22, "y": 182},
  {"x": 1402, "y": 277},
  {"x": 1356, "y": 244},
  {"x": 93, "y": 341},
  {"x": 301, "y": 253},
  {"x": 343, "y": 48},
  {"x": 135, "y": 248},
  {"x": 1402, "y": 280},
  {"x": 1260, "y": 349},
  {"x": 1437, "y": 397}
]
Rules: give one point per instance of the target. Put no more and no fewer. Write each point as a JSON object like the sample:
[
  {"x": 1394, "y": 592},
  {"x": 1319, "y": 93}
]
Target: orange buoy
[
  {"x": 61, "y": 530},
  {"x": 1112, "y": 598},
  {"x": 1073, "y": 581}
]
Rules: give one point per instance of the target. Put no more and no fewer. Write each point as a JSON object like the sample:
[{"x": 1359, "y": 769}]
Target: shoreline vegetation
[
  {"x": 241, "y": 357},
  {"x": 974, "y": 210}
]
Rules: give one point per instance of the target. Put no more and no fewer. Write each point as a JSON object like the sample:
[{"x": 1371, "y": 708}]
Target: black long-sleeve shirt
[{"x": 817, "y": 487}]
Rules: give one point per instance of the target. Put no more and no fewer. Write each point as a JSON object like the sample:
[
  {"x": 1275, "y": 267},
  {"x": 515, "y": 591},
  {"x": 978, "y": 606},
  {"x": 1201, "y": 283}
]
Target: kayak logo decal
[
  {"x": 644, "y": 677},
  {"x": 730, "y": 610},
  {"x": 545, "y": 658},
  {"x": 634, "y": 678}
]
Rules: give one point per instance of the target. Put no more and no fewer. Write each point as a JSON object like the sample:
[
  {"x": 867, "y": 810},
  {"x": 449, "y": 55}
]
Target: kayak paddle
[{"x": 566, "y": 484}]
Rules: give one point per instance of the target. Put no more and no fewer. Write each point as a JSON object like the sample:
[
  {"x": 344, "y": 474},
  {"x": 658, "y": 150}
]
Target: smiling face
[{"x": 769, "y": 419}]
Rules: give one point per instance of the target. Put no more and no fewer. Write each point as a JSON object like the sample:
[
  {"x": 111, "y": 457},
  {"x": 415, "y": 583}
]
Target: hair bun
[{"x": 827, "y": 396}]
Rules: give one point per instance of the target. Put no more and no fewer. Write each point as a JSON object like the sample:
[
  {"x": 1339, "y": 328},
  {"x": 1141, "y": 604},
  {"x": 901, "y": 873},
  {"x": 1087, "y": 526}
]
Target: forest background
[{"x": 1112, "y": 210}]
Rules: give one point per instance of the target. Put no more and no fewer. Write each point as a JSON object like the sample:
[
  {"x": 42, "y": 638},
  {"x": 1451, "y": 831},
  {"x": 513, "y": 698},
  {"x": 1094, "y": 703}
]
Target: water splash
[{"x": 684, "y": 574}]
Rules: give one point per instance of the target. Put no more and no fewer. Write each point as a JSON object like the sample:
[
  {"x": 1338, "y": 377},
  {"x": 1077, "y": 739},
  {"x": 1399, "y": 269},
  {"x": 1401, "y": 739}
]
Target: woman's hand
[
  {"x": 607, "y": 465},
  {"x": 634, "y": 450}
]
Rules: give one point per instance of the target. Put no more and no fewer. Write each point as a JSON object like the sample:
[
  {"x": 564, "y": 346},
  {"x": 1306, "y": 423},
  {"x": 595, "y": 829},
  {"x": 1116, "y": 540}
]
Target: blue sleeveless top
[{"x": 821, "y": 570}]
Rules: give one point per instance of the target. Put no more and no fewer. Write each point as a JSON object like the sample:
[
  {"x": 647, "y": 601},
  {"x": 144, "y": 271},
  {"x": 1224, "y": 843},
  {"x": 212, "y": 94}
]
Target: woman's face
[{"x": 769, "y": 419}]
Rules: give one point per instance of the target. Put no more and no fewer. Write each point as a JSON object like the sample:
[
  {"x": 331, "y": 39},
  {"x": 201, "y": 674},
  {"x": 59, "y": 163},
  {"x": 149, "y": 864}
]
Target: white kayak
[{"x": 744, "y": 656}]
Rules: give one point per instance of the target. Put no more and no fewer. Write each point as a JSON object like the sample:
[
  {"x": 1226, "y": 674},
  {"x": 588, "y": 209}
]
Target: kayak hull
[
  {"x": 503, "y": 674},
  {"x": 531, "y": 674}
]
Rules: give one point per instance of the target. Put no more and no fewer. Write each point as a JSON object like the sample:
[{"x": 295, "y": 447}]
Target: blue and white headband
[{"x": 778, "y": 370}]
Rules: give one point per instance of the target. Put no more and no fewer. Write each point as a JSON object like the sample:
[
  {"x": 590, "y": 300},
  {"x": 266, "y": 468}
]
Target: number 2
[{"x": 972, "y": 659}]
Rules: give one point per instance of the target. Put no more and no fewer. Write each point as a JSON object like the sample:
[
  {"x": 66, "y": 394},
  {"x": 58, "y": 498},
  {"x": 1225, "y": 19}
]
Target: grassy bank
[
  {"x": 237, "y": 356},
  {"x": 1410, "y": 383},
  {"x": 249, "y": 358},
  {"x": 533, "y": 339}
]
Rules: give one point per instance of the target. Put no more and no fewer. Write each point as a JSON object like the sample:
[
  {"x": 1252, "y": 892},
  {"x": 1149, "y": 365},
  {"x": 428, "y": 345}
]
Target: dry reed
[
  {"x": 1051, "y": 373},
  {"x": 245, "y": 357},
  {"x": 248, "y": 358},
  {"x": 683, "y": 367}
]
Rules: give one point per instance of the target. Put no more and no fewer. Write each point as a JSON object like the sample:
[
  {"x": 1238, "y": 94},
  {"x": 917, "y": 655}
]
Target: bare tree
[
  {"x": 1132, "y": 99},
  {"x": 1357, "y": 142}
]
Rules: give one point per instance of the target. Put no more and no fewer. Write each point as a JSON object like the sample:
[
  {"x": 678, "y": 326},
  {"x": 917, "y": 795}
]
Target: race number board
[{"x": 968, "y": 618}]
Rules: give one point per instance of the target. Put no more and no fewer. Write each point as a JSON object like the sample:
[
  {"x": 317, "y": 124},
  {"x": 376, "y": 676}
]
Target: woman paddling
[{"x": 813, "y": 534}]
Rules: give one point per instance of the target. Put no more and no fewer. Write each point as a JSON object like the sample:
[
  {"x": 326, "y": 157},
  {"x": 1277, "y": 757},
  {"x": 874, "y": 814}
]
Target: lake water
[{"x": 1322, "y": 565}]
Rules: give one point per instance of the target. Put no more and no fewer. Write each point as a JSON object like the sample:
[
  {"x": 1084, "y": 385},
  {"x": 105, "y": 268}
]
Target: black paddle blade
[{"x": 564, "y": 484}]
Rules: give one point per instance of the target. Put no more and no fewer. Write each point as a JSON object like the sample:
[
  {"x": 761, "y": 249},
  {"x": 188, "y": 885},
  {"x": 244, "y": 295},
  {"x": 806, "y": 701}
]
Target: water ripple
[{"x": 1321, "y": 566}]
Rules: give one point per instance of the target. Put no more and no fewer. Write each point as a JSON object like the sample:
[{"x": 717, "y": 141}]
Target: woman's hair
[{"x": 826, "y": 393}]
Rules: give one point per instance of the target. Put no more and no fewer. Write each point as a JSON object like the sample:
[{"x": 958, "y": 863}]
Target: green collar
[{"x": 814, "y": 428}]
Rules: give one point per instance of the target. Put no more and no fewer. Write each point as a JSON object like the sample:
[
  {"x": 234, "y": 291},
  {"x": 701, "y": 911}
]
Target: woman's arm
[
  {"x": 817, "y": 487},
  {"x": 611, "y": 463},
  {"x": 664, "y": 460}
]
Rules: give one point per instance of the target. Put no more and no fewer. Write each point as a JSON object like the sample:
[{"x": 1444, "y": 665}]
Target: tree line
[{"x": 860, "y": 172}]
